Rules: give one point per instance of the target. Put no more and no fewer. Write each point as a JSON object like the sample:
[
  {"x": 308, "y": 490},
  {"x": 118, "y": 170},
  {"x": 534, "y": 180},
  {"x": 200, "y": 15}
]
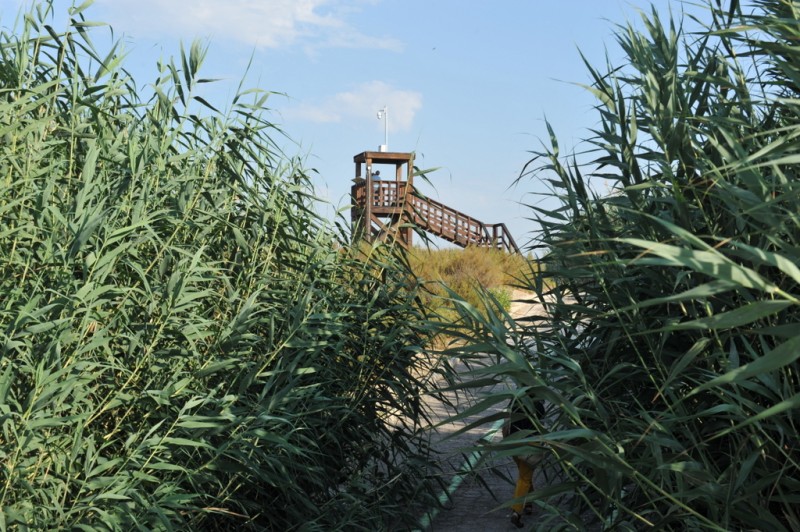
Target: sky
[{"x": 468, "y": 84}]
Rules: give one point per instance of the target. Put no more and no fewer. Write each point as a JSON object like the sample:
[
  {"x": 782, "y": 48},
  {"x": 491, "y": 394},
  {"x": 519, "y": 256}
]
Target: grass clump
[
  {"x": 668, "y": 355},
  {"x": 183, "y": 342},
  {"x": 468, "y": 273}
]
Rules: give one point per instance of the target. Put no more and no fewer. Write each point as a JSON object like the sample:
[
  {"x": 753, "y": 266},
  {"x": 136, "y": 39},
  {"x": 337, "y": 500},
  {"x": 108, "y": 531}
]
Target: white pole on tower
[{"x": 384, "y": 114}]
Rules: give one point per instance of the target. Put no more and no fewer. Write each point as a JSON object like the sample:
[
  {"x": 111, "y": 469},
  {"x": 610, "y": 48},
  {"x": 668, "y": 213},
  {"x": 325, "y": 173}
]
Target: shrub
[{"x": 468, "y": 273}]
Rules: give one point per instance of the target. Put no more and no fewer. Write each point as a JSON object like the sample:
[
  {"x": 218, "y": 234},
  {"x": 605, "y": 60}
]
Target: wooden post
[{"x": 368, "y": 201}]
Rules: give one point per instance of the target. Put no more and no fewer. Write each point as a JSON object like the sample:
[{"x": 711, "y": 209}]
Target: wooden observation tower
[
  {"x": 386, "y": 206},
  {"x": 380, "y": 198}
]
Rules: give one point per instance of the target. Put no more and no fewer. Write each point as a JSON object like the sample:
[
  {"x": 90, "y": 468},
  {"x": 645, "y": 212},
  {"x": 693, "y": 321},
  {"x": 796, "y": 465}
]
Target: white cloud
[
  {"x": 362, "y": 103},
  {"x": 260, "y": 23}
]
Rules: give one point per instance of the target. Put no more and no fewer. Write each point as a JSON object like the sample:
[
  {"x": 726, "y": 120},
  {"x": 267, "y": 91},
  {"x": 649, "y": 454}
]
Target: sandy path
[{"x": 473, "y": 498}]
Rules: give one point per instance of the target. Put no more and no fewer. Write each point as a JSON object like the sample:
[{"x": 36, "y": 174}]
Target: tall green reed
[
  {"x": 668, "y": 349},
  {"x": 184, "y": 343}
]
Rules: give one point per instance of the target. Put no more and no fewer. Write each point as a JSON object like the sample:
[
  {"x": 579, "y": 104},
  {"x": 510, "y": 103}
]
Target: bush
[
  {"x": 184, "y": 344},
  {"x": 468, "y": 273},
  {"x": 669, "y": 350}
]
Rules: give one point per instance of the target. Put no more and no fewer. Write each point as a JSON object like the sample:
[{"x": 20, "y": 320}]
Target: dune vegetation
[{"x": 472, "y": 275}]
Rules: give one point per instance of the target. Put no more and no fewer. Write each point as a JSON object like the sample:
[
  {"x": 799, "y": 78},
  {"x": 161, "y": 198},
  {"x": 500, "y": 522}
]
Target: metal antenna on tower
[{"x": 384, "y": 114}]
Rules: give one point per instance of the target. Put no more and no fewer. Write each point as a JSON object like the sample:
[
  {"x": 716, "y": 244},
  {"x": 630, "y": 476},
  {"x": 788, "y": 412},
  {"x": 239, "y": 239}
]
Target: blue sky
[{"x": 468, "y": 83}]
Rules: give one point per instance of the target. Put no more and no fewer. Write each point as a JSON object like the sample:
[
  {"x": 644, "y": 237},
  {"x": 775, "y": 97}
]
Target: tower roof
[{"x": 383, "y": 157}]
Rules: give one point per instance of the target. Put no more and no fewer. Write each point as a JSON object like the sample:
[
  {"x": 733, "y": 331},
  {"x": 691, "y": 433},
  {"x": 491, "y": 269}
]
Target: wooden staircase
[{"x": 399, "y": 203}]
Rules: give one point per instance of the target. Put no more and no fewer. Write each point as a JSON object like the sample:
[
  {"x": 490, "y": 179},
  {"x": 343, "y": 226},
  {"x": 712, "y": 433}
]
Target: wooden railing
[
  {"x": 457, "y": 227},
  {"x": 393, "y": 197}
]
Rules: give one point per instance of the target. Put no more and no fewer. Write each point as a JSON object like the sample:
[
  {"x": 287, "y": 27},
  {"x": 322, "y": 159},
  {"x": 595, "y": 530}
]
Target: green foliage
[
  {"x": 468, "y": 273},
  {"x": 184, "y": 344},
  {"x": 668, "y": 355}
]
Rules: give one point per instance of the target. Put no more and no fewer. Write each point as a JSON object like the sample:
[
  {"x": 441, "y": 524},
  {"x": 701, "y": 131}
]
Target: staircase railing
[{"x": 457, "y": 227}]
